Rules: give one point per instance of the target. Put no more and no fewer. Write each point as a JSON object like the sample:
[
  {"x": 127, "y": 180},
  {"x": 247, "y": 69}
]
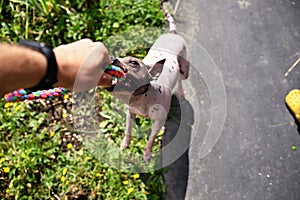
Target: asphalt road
[{"x": 253, "y": 43}]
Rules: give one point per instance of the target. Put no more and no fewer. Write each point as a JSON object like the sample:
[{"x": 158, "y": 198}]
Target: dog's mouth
[
  {"x": 119, "y": 64},
  {"x": 129, "y": 82},
  {"x": 116, "y": 69}
]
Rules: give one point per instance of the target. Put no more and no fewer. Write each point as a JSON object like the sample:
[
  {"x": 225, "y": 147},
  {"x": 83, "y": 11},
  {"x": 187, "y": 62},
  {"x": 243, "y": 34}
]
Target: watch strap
[{"x": 51, "y": 73}]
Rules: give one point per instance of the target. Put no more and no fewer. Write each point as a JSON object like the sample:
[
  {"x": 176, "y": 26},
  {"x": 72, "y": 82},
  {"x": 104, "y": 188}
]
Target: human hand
[{"x": 81, "y": 65}]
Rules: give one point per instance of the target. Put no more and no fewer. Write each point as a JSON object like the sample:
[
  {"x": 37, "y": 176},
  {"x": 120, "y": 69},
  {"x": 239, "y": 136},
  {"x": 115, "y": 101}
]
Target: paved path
[{"x": 253, "y": 43}]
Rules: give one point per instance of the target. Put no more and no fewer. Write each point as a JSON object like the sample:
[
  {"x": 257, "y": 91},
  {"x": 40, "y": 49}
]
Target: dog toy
[
  {"x": 23, "y": 94},
  {"x": 116, "y": 72}
]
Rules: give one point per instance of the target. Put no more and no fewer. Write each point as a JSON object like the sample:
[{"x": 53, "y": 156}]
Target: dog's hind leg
[
  {"x": 157, "y": 125},
  {"x": 184, "y": 65},
  {"x": 180, "y": 92}
]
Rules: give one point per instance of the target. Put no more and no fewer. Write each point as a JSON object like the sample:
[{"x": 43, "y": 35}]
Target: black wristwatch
[{"x": 51, "y": 74}]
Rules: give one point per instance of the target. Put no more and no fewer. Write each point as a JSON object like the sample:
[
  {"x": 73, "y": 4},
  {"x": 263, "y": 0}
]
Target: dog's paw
[
  {"x": 147, "y": 156},
  {"x": 180, "y": 94},
  {"x": 125, "y": 142}
]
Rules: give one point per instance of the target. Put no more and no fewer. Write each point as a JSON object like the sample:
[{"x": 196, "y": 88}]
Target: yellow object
[
  {"x": 69, "y": 146},
  {"x": 292, "y": 100},
  {"x": 52, "y": 134},
  {"x": 6, "y": 169},
  {"x": 136, "y": 176},
  {"x": 65, "y": 170},
  {"x": 130, "y": 190}
]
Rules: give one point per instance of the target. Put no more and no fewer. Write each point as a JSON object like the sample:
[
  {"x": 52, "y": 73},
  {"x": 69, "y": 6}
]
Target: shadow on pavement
[{"x": 176, "y": 178}]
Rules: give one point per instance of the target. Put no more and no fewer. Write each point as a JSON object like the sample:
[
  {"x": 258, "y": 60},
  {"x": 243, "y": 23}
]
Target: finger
[
  {"x": 103, "y": 54},
  {"x": 105, "y": 80}
]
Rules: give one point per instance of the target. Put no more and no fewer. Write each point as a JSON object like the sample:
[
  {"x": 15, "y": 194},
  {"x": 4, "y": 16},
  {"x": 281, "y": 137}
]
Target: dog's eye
[{"x": 135, "y": 63}]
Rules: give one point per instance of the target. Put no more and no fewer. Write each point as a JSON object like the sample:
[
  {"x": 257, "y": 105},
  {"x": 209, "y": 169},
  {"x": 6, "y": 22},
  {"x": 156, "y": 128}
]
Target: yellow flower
[
  {"x": 103, "y": 108},
  {"x": 52, "y": 134},
  {"x": 130, "y": 190},
  {"x": 66, "y": 96},
  {"x": 64, "y": 171},
  {"x": 142, "y": 31},
  {"x": 67, "y": 182},
  {"x": 69, "y": 146},
  {"x": 7, "y": 191},
  {"x": 62, "y": 178},
  {"x": 7, "y": 105},
  {"x": 125, "y": 182},
  {"x": 98, "y": 174},
  {"x": 64, "y": 115},
  {"x": 18, "y": 108},
  {"x": 6, "y": 169},
  {"x": 136, "y": 176}
]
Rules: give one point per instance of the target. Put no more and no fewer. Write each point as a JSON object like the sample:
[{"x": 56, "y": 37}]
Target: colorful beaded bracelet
[{"x": 23, "y": 94}]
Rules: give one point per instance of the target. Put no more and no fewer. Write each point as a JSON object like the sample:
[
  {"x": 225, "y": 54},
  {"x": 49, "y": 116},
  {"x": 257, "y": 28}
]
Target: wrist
[{"x": 61, "y": 60}]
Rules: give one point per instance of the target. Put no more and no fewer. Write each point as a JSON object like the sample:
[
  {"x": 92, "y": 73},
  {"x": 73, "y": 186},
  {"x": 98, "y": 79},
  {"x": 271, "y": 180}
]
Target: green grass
[
  {"x": 55, "y": 22},
  {"x": 36, "y": 160}
]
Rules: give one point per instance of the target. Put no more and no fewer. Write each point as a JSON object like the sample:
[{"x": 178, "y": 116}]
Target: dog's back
[{"x": 171, "y": 48}]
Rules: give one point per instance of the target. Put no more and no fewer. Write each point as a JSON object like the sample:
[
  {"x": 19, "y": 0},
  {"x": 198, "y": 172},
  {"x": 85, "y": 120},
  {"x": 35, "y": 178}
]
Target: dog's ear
[
  {"x": 141, "y": 90},
  {"x": 157, "y": 68}
]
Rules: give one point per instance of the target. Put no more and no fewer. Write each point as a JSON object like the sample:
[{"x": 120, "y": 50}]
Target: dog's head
[{"x": 137, "y": 80}]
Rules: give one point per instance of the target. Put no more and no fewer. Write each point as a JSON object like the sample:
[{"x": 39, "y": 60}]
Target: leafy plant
[
  {"x": 38, "y": 157},
  {"x": 55, "y": 21}
]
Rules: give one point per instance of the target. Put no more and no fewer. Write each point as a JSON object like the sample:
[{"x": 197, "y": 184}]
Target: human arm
[
  {"x": 20, "y": 67},
  {"x": 81, "y": 62}
]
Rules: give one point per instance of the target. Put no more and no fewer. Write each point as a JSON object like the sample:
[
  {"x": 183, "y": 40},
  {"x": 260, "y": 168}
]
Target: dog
[{"x": 147, "y": 88}]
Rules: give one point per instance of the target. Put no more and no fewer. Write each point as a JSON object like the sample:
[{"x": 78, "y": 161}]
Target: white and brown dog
[{"x": 147, "y": 88}]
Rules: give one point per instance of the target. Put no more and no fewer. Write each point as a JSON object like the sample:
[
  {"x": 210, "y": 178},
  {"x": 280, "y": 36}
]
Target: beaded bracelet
[{"x": 23, "y": 94}]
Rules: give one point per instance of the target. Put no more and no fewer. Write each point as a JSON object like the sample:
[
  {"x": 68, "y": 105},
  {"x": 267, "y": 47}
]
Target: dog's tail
[{"x": 169, "y": 18}]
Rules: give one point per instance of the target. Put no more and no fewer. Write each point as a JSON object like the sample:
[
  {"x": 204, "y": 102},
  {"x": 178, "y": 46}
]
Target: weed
[{"x": 38, "y": 160}]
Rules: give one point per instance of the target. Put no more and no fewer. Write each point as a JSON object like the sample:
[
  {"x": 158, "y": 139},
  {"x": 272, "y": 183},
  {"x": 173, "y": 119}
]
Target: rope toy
[
  {"x": 23, "y": 94},
  {"x": 116, "y": 72}
]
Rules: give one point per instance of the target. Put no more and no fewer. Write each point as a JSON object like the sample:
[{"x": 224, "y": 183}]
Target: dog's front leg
[
  {"x": 129, "y": 123},
  {"x": 157, "y": 125}
]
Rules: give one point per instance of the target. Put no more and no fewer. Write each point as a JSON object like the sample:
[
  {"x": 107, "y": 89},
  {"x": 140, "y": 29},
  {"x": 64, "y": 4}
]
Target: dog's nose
[
  {"x": 113, "y": 58},
  {"x": 116, "y": 62}
]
